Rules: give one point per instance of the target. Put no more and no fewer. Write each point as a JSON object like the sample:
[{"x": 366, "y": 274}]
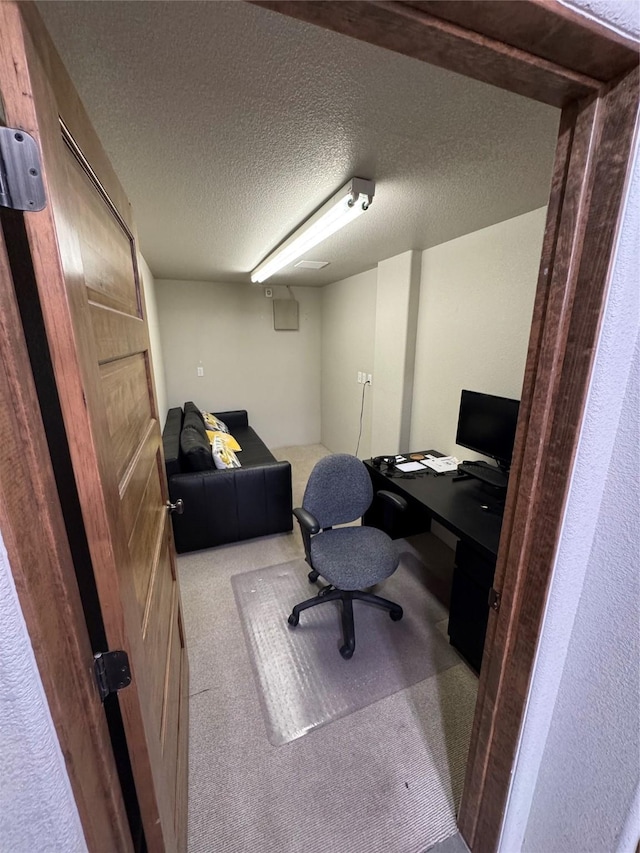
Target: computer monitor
[{"x": 487, "y": 424}]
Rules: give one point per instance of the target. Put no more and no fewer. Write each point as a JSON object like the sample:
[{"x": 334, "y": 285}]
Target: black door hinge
[
  {"x": 21, "y": 185},
  {"x": 494, "y": 599},
  {"x": 112, "y": 672}
]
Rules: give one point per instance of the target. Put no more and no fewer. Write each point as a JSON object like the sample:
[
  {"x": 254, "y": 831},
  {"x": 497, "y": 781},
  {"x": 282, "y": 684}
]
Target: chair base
[{"x": 346, "y": 596}]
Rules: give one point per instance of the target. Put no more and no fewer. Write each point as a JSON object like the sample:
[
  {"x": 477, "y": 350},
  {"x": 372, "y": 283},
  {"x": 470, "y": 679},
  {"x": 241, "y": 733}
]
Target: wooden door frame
[
  {"x": 538, "y": 49},
  {"x": 544, "y": 51}
]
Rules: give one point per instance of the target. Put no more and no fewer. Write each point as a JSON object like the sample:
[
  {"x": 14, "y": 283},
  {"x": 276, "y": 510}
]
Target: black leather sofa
[{"x": 230, "y": 505}]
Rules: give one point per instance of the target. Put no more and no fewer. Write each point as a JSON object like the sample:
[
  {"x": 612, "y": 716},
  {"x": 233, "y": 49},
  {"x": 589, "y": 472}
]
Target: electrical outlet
[
  {"x": 369, "y": 378},
  {"x": 360, "y": 377}
]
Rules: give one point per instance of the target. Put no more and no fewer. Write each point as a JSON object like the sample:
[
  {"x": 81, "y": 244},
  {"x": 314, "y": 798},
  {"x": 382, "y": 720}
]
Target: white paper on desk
[
  {"x": 443, "y": 464},
  {"x": 409, "y": 466}
]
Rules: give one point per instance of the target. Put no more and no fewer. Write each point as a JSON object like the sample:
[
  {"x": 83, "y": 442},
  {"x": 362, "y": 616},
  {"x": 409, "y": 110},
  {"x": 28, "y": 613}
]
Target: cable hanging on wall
[{"x": 364, "y": 388}]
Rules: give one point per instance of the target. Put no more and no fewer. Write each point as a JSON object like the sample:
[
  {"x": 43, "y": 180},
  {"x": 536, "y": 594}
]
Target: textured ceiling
[{"x": 228, "y": 124}]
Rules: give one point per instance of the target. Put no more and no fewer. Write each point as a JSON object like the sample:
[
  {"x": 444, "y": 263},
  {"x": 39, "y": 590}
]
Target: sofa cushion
[
  {"x": 171, "y": 441},
  {"x": 194, "y": 419},
  {"x": 225, "y": 437},
  {"x": 214, "y": 423},
  {"x": 191, "y": 408},
  {"x": 223, "y": 455},
  {"x": 254, "y": 450},
  {"x": 195, "y": 447}
]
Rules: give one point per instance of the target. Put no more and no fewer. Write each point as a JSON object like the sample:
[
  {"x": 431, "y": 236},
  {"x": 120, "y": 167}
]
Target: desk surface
[{"x": 456, "y": 504}]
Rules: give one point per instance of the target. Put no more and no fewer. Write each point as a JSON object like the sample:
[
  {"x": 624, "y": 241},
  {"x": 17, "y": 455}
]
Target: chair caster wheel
[
  {"x": 293, "y": 619},
  {"x": 396, "y": 615},
  {"x": 313, "y": 577},
  {"x": 346, "y": 652}
]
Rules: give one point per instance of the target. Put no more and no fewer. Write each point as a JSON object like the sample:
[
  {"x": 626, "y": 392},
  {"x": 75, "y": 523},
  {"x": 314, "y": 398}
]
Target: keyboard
[{"x": 485, "y": 473}]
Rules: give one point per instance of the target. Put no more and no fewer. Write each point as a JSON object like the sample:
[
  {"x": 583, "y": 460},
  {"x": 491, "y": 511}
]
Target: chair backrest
[{"x": 339, "y": 490}]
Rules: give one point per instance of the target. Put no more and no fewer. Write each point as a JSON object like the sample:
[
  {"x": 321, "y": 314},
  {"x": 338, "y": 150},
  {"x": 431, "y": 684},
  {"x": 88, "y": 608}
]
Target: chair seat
[{"x": 353, "y": 557}]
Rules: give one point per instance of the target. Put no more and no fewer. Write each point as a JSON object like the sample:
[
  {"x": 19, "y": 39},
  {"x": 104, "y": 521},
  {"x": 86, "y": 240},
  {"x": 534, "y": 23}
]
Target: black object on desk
[
  {"x": 485, "y": 473},
  {"x": 472, "y": 511}
]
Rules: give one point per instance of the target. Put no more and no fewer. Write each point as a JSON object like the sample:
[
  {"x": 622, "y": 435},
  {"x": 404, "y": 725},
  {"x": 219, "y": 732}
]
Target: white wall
[
  {"x": 592, "y": 749},
  {"x": 476, "y": 301},
  {"x": 576, "y": 780},
  {"x": 228, "y": 329},
  {"x": 37, "y": 807},
  {"x": 348, "y": 328},
  {"x": 149, "y": 287},
  {"x": 398, "y": 293}
]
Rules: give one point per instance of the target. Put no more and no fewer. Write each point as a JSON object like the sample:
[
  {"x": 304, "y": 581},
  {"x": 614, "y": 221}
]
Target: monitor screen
[{"x": 487, "y": 424}]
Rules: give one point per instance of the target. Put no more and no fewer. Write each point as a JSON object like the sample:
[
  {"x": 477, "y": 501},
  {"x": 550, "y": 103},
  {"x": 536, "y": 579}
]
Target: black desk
[{"x": 472, "y": 511}]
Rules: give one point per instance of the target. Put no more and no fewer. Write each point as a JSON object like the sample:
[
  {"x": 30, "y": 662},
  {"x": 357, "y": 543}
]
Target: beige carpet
[{"x": 387, "y": 777}]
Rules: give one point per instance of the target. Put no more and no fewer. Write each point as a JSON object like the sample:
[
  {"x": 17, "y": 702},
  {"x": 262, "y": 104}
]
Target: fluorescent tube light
[{"x": 347, "y": 204}]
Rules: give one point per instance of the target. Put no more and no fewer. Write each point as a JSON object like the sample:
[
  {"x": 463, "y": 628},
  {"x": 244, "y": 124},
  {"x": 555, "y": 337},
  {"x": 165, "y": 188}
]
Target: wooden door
[
  {"x": 85, "y": 261},
  {"x": 44, "y": 573}
]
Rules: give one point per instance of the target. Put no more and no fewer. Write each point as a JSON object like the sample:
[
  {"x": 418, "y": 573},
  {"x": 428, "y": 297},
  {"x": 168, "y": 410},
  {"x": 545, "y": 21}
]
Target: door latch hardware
[
  {"x": 21, "y": 185},
  {"x": 494, "y": 599},
  {"x": 112, "y": 672},
  {"x": 177, "y": 507}
]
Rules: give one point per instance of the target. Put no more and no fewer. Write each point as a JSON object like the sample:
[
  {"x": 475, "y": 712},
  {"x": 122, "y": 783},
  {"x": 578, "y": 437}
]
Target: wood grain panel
[
  {"x": 147, "y": 537},
  {"x": 155, "y": 627},
  {"x": 140, "y": 471},
  {"x": 413, "y": 32},
  {"x": 544, "y": 27},
  {"x": 108, "y": 257},
  {"x": 116, "y": 335},
  {"x": 128, "y": 414}
]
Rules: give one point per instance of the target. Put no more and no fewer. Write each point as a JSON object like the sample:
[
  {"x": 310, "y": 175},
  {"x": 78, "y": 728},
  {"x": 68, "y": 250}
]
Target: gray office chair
[{"x": 349, "y": 558}]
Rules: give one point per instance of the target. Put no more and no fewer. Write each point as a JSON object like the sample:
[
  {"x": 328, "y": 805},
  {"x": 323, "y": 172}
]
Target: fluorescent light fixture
[{"x": 347, "y": 204}]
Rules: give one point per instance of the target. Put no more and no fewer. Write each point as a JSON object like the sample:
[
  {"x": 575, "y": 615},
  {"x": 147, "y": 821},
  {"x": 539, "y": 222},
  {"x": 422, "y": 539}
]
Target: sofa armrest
[
  {"x": 236, "y": 418},
  {"x": 231, "y": 505}
]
